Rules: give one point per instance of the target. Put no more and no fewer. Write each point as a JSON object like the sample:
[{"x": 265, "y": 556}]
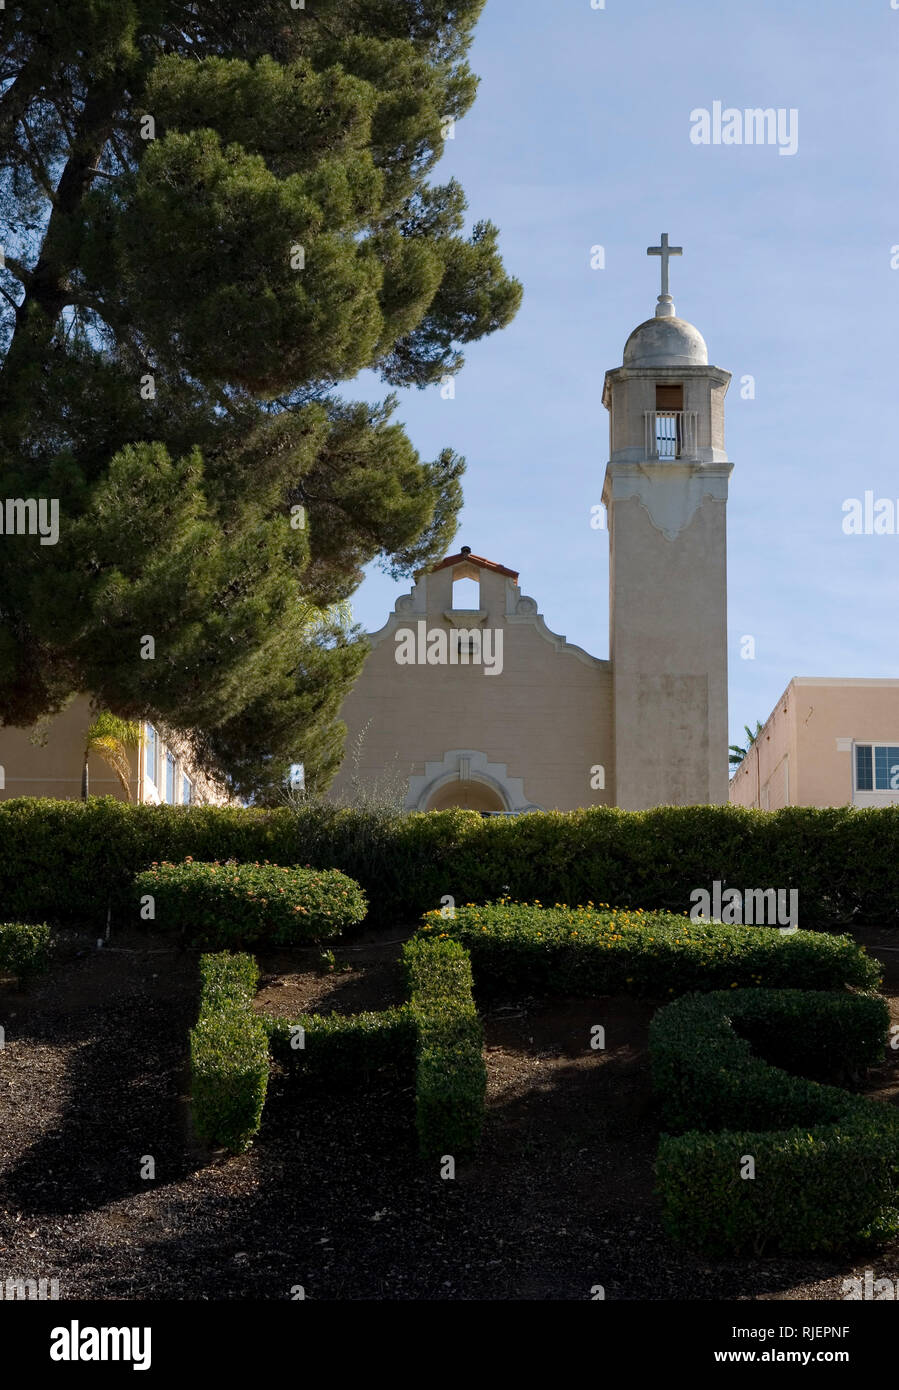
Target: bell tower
[{"x": 665, "y": 492}]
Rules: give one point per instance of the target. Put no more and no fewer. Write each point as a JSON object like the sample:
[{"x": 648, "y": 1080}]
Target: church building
[{"x": 471, "y": 700}]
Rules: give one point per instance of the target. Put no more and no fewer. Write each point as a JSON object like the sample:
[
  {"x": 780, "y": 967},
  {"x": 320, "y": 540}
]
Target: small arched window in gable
[{"x": 466, "y": 595}]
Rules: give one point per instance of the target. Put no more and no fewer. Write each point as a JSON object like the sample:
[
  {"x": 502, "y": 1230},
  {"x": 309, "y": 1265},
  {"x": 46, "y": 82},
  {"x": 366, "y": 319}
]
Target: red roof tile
[{"x": 450, "y": 561}]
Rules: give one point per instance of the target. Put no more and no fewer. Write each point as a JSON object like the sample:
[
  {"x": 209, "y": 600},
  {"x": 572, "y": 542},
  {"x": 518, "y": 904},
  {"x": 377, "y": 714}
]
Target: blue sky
[{"x": 580, "y": 136}]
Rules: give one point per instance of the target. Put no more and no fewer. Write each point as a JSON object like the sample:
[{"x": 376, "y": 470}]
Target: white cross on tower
[{"x": 665, "y": 251}]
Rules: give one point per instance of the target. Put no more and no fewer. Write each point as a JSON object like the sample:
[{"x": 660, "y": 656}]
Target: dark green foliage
[
  {"x": 234, "y": 905},
  {"x": 828, "y": 1037},
  {"x": 807, "y": 1195},
  {"x": 173, "y": 253},
  {"x": 584, "y": 951},
  {"x": 24, "y": 950},
  {"x": 341, "y": 1049},
  {"x": 450, "y": 1075},
  {"x": 818, "y": 1189},
  {"x": 708, "y": 1075},
  {"x": 826, "y": 1168},
  {"x": 64, "y": 861},
  {"x": 228, "y": 1053},
  {"x": 435, "y": 1040},
  {"x": 840, "y": 860},
  {"x": 438, "y": 973},
  {"x": 714, "y": 1058}
]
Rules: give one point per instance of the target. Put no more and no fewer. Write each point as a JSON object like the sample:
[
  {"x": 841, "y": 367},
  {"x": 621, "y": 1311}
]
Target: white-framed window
[
  {"x": 150, "y": 742},
  {"x": 877, "y": 767},
  {"x": 187, "y": 790},
  {"x": 170, "y": 777}
]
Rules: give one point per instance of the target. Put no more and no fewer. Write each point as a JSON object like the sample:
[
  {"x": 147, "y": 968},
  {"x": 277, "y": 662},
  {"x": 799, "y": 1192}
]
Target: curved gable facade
[{"x": 479, "y": 706}]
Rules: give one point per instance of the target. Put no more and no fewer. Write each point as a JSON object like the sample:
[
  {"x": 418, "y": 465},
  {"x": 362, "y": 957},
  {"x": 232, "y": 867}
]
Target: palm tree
[
  {"x": 111, "y": 737},
  {"x": 737, "y": 754}
]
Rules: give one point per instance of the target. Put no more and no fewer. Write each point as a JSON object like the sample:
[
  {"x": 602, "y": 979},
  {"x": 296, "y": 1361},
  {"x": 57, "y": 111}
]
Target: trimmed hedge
[
  {"x": 817, "y": 1190},
  {"x": 804, "y": 1136},
  {"x": 709, "y": 1075},
  {"x": 451, "y": 1077},
  {"x": 435, "y": 1038},
  {"x": 230, "y": 905},
  {"x": 808, "y": 1139},
  {"x": 67, "y": 860},
  {"x": 586, "y": 950},
  {"x": 826, "y": 1169},
  {"x": 341, "y": 1049},
  {"x": 228, "y": 1053},
  {"x": 24, "y": 950}
]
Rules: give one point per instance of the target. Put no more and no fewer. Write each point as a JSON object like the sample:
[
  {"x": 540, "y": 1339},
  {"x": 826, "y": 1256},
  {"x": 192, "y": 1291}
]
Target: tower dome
[{"x": 666, "y": 341}]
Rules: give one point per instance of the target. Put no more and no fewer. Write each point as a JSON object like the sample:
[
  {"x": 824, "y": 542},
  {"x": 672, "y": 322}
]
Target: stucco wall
[
  {"x": 813, "y": 728},
  {"x": 546, "y": 717},
  {"x": 867, "y": 711},
  {"x": 669, "y": 657},
  {"x": 768, "y": 777},
  {"x": 53, "y": 768}
]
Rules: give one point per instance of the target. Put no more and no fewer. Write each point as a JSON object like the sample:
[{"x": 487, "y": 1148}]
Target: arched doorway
[
  {"x": 465, "y": 777},
  {"x": 471, "y": 796}
]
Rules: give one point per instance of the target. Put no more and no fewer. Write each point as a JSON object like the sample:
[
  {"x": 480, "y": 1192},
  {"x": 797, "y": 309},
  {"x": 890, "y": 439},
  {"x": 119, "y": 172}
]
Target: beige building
[
  {"x": 472, "y": 701},
  {"x": 826, "y": 743},
  {"x": 475, "y": 702},
  {"x": 50, "y": 764}
]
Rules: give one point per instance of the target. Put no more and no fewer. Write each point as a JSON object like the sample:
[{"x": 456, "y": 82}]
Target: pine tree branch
[
  {"x": 16, "y": 268},
  {"x": 35, "y": 163},
  {"x": 117, "y": 150},
  {"x": 47, "y": 288},
  {"x": 69, "y": 133}
]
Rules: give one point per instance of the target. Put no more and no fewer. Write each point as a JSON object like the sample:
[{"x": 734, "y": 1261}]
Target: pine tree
[{"x": 213, "y": 215}]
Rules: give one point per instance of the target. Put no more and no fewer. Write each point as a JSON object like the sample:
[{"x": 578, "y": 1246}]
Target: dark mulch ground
[{"x": 332, "y": 1197}]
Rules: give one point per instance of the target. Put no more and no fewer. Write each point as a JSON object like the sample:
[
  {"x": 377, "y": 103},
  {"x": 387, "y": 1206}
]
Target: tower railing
[{"x": 670, "y": 434}]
